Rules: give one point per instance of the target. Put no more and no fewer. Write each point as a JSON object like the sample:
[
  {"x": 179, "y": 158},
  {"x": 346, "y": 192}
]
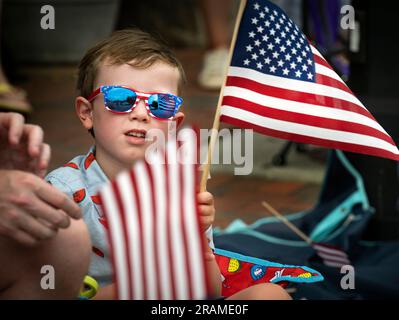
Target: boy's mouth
[
  {"x": 136, "y": 136},
  {"x": 136, "y": 133}
]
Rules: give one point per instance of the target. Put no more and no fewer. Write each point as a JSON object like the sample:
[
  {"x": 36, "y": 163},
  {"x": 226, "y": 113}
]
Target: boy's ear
[
  {"x": 84, "y": 111},
  {"x": 179, "y": 118}
]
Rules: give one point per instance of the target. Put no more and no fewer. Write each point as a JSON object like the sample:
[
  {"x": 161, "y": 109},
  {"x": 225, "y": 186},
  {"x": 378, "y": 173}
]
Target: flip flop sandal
[
  {"x": 13, "y": 99},
  {"x": 89, "y": 288}
]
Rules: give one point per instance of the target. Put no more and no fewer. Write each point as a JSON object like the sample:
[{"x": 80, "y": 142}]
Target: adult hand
[
  {"x": 31, "y": 210},
  {"x": 21, "y": 145}
]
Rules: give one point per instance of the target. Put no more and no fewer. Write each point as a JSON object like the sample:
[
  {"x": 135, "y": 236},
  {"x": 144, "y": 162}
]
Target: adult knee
[
  {"x": 53, "y": 270},
  {"x": 72, "y": 251}
]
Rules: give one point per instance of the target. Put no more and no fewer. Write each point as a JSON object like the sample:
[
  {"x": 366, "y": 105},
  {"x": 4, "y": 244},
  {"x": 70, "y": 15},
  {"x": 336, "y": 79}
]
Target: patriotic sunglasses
[{"x": 121, "y": 99}]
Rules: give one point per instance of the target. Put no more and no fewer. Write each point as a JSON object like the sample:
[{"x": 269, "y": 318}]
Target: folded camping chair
[{"x": 339, "y": 219}]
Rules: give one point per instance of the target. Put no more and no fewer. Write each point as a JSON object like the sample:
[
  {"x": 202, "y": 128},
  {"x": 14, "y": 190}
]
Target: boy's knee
[
  {"x": 274, "y": 292},
  {"x": 270, "y": 291}
]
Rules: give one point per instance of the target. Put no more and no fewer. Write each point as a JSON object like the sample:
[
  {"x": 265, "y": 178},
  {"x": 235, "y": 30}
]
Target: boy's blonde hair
[{"x": 132, "y": 46}]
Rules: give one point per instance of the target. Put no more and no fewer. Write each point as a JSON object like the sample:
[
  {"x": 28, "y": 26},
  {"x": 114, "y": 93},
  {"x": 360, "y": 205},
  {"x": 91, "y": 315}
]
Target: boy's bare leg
[
  {"x": 20, "y": 267},
  {"x": 262, "y": 291}
]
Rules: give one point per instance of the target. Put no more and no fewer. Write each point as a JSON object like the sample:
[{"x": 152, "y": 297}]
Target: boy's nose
[{"x": 140, "y": 112}]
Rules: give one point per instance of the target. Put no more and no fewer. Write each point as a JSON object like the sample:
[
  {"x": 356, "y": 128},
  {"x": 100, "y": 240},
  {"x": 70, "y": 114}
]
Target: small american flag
[
  {"x": 331, "y": 256},
  {"x": 155, "y": 239},
  {"x": 279, "y": 84}
]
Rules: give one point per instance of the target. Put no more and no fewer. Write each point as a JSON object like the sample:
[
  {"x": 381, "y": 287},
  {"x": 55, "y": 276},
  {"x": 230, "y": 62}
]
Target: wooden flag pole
[
  {"x": 216, "y": 121},
  {"x": 284, "y": 220}
]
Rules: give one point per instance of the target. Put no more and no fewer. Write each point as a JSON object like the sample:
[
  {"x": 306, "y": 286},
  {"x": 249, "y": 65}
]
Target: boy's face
[{"x": 115, "y": 145}]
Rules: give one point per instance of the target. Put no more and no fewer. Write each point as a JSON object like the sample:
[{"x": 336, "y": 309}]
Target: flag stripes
[
  {"x": 156, "y": 243},
  {"x": 331, "y": 256},
  {"x": 304, "y": 138},
  {"x": 349, "y": 129}
]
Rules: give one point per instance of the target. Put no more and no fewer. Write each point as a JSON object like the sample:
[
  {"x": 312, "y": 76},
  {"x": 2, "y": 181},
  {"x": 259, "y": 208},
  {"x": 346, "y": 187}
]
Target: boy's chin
[{"x": 131, "y": 158}]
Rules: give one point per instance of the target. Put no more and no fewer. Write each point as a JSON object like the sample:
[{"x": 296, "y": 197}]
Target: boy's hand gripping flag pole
[
  {"x": 216, "y": 121},
  {"x": 278, "y": 84}
]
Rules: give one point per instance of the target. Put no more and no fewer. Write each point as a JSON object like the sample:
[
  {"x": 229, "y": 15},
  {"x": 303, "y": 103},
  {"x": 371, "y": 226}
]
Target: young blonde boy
[{"x": 128, "y": 84}]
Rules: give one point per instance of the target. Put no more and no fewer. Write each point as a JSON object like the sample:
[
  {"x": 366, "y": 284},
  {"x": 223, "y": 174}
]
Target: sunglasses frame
[{"x": 139, "y": 96}]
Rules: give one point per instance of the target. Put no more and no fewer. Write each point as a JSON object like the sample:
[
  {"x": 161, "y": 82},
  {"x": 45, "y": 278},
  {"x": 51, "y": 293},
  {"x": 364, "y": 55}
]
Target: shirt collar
[{"x": 94, "y": 175}]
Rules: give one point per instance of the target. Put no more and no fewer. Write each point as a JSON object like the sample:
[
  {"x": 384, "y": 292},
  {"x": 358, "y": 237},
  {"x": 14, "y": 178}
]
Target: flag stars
[{"x": 277, "y": 46}]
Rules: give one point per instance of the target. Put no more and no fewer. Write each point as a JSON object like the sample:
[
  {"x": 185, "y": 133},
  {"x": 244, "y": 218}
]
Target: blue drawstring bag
[{"x": 339, "y": 219}]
